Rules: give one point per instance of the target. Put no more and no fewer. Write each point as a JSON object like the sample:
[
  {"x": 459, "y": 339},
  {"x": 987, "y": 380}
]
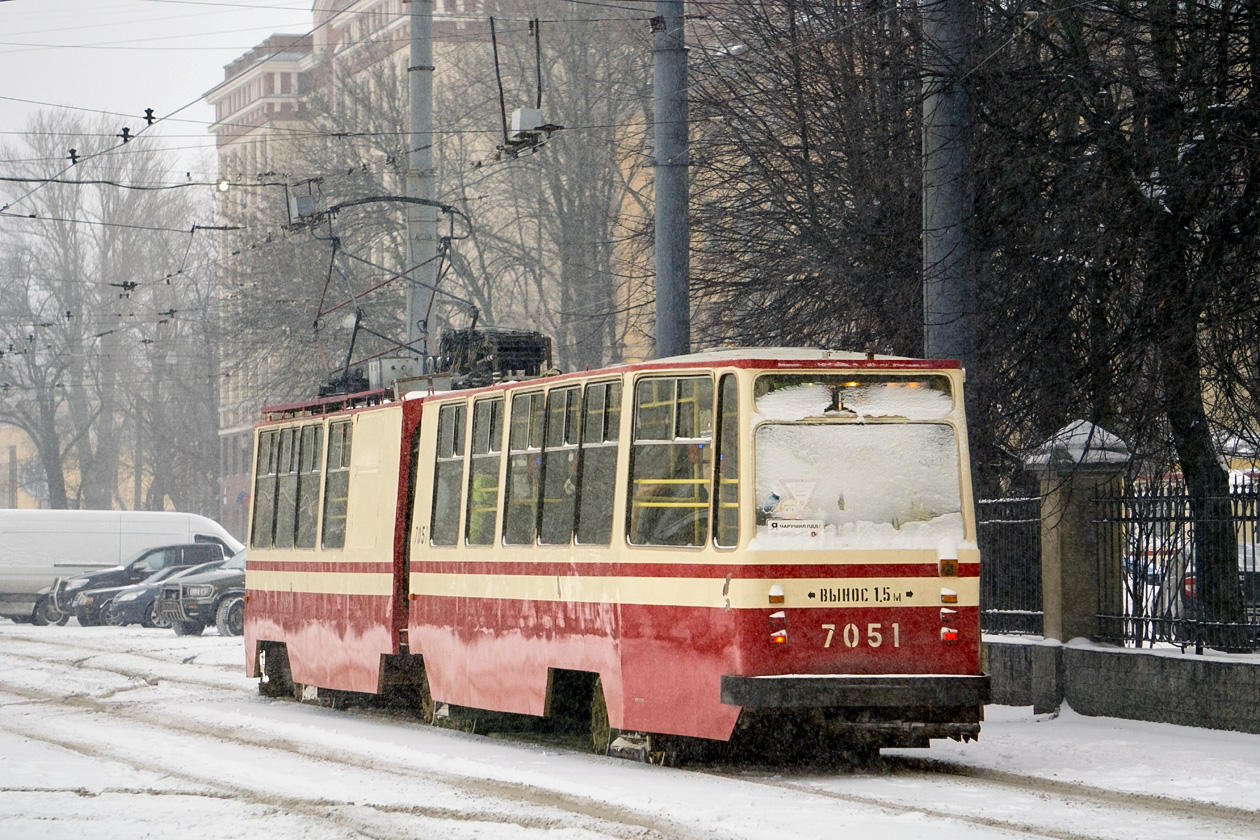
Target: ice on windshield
[
  {"x": 797, "y": 396},
  {"x": 828, "y": 486}
]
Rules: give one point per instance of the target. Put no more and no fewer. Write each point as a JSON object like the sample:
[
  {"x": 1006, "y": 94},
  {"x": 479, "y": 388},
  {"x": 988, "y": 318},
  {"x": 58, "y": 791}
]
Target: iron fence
[
  {"x": 1009, "y": 535},
  {"x": 1148, "y": 533}
]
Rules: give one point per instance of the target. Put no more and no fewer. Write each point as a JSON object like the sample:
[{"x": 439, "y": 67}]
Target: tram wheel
[{"x": 601, "y": 731}]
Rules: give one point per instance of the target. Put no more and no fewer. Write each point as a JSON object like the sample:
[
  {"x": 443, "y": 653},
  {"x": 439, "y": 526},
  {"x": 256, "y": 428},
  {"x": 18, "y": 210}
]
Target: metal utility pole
[
  {"x": 947, "y": 275},
  {"x": 669, "y": 108},
  {"x": 422, "y": 235}
]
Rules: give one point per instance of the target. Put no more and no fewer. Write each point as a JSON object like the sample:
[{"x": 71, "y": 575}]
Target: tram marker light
[
  {"x": 949, "y": 567},
  {"x": 778, "y": 637},
  {"x": 949, "y": 596},
  {"x": 948, "y": 615},
  {"x": 776, "y": 594},
  {"x": 949, "y": 635}
]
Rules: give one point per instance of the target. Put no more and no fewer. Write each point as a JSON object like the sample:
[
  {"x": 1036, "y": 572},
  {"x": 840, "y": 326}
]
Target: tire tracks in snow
[
  {"x": 604, "y": 818},
  {"x": 1051, "y": 793},
  {"x": 529, "y": 807}
]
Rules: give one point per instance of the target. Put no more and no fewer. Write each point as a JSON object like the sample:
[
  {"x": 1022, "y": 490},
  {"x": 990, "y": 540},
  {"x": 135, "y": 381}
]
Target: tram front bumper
[
  {"x": 880, "y": 711},
  {"x": 849, "y": 691}
]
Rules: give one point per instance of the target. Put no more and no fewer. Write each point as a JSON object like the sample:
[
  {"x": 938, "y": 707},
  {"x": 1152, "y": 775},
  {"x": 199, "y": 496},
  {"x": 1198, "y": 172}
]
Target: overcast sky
[{"x": 123, "y": 56}]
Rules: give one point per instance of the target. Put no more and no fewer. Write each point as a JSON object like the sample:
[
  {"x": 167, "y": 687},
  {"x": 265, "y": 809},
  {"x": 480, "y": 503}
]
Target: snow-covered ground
[{"x": 127, "y": 733}]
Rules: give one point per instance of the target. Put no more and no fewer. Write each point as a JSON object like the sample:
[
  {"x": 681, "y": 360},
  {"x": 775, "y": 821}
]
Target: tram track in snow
[{"x": 879, "y": 786}]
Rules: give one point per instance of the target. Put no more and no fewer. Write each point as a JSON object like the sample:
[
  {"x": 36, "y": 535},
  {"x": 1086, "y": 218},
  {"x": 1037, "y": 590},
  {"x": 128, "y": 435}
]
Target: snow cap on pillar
[{"x": 1080, "y": 445}]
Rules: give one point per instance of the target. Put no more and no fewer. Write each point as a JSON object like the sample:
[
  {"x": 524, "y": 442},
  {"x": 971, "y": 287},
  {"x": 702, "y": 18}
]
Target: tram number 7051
[{"x": 852, "y": 635}]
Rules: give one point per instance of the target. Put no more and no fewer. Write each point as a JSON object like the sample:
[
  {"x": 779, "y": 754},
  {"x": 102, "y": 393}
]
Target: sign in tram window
[
  {"x": 525, "y": 438},
  {"x": 483, "y": 474},
  {"x": 448, "y": 475},
  {"x": 311, "y": 445},
  {"x": 559, "y": 466},
  {"x": 286, "y": 488},
  {"x": 337, "y": 485},
  {"x": 670, "y": 462},
  {"x": 726, "y": 478},
  {"x": 262, "y": 529},
  {"x": 597, "y": 466}
]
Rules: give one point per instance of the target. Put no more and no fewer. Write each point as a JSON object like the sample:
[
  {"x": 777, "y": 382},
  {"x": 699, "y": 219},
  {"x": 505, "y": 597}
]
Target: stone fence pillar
[{"x": 1075, "y": 586}]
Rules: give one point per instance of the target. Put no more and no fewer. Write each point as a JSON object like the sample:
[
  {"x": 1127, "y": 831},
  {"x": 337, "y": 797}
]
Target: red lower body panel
[
  {"x": 333, "y": 641},
  {"x": 661, "y": 667}
]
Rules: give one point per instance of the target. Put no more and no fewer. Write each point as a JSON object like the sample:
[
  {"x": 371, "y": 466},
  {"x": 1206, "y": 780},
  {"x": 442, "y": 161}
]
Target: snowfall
[{"x": 129, "y": 733}]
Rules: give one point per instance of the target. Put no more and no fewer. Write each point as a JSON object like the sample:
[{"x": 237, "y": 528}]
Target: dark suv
[
  {"x": 68, "y": 594},
  {"x": 193, "y": 603}
]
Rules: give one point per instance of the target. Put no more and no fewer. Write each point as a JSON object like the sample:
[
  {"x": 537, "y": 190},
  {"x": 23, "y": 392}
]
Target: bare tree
[
  {"x": 91, "y": 277},
  {"x": 538, "y": 234},
  {"x": 1117, "y": 216},
  {"x": 806, "y": 182}
]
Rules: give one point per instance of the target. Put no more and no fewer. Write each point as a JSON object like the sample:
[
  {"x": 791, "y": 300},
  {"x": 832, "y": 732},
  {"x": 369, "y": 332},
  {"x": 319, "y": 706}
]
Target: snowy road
[{"x": 129, "y": 733}]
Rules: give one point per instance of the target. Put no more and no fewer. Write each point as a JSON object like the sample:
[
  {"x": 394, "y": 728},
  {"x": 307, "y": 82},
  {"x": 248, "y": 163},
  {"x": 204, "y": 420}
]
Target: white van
[{"x": 39, "y": 546}]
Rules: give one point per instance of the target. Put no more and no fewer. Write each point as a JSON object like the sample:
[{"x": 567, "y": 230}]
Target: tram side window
[
  {"x": 670, "y": 462},
  {"x": 726, "y": 447},
  {"x": 483, "y": 476},
  {"x": 337, "y": 485},
  {"x": 286, "y": 488},
  {"x": 525, "y": 439},
  {"x": 311, "y": 450},
  {"x": 597, "y": 466},
  {"x": 559, "y": 466},
  {"x": 448, "y": 475},
  {"x": 261, "y": 530}
]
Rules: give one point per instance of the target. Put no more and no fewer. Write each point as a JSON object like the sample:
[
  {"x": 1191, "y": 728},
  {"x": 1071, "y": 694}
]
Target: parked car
[
  {"x": 1248, "y": 580},
  {"x": 137, "y": 604},
  {"x": 195, "y": 602},
  {"x": 42, "y": 546},
  {"x": 64, "y": 594}
]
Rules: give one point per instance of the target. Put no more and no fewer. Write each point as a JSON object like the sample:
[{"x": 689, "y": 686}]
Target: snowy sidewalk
[{"x": 1158, "y": 759}]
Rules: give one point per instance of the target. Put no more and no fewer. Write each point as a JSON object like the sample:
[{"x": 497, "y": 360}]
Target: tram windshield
[{"x": 830, "y": 485}]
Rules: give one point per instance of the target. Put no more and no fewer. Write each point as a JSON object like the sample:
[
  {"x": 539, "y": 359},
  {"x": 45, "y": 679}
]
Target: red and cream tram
[{"x": 733, "y": 538}]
